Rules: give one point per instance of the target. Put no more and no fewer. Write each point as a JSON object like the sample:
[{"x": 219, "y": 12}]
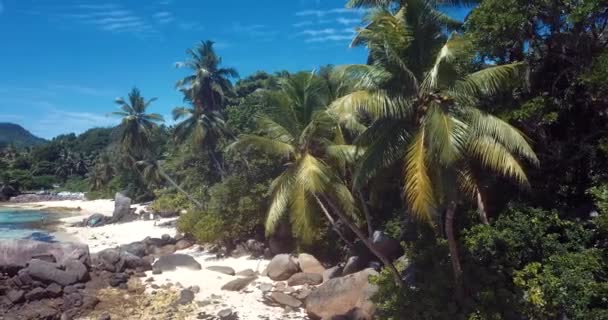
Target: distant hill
[{"x": 15, "y": 134}]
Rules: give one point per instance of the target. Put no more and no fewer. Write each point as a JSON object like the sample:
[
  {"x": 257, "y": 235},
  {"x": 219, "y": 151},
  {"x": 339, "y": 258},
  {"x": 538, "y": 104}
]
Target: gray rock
[
  {"x": 256, "y": 248},
  {"x": 15, "y": 296},
  {"x": 310, "y": 264},
  {"x": 167, "y": 239},
  {"x": 109, "y": 260},
  {"x": 302, "y": 278},
  {"x": 281, "y": 267},
  {"x": 137, "y": 248},
  {"x": 265, "y": 287},
  {"x": 185, "y": 297},
  {"x": 122, "y": 207},
  {"x": 117, "y": 279},
  {"x": 303, "y": 294},
  {"x": 246, "y": 273},
  {"x": 183, "y": 244},
  {"x": 50, "y": 272},
  {"x": 332, "y": 272},
  {"x": 353, "y": 264},
  {"x": 17, "y": 253},
  {"x": 238, "y": 284},
  {"x": 337, "y": 297},
  {"x": 388, "y": 246},
  {"x": 134, "y": 262},
  {"x": 40, "y": 293},
  {"x": 286, "y": 300},
  {"x": 375, "y": 265},
  {"x": 171, "y": 262},
  {"x": 227, "y": 314},
  {"x": 78, "y": 269},
  {"x": 225, "y": 270},
  {"x": 105, "y": 316},
  {"x": 54, "y": 289},
  {"x": 96, "y": 220}
]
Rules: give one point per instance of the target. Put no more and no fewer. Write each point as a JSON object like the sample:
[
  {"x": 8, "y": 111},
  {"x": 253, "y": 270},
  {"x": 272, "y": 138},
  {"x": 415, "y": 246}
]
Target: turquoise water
[{"x": 24, "y": 224}]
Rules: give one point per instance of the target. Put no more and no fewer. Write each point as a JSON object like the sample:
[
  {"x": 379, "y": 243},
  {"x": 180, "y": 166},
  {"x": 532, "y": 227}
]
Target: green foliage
[{"x": 170, "y": 202}]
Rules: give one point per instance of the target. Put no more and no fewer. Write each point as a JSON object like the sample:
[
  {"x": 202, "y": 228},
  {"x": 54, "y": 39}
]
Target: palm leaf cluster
[
  {"x": 427, "y": 119},
  {"x": 209, "y": 83},
  {"x": 137, "y": 125},
  {"x": 304, "y": 136}
]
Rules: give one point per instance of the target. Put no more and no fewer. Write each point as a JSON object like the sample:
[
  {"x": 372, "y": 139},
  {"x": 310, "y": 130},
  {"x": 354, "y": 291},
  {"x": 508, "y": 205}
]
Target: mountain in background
[{"x": 16, "y": 135}]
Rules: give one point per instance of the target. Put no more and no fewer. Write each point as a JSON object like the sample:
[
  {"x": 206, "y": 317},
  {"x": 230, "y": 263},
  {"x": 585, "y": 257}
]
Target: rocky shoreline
[{"x": 171, "y": 277}]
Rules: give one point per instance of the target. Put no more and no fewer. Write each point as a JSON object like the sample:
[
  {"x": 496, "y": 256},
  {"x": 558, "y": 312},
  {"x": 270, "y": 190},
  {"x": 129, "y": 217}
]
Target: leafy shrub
[{"x": 167, "y": 202}]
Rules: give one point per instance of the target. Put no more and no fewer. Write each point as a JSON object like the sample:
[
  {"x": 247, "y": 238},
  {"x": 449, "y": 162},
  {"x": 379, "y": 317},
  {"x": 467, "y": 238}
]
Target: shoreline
[{"x": 249, "y": 304}]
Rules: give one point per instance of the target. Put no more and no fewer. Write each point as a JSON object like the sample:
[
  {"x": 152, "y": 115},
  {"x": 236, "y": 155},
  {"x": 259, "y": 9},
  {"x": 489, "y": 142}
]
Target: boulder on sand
[
  {"x": 238, "y": 284},
  {"x": 225, "y": 270},
  {"x": 137, "y": 248},
  {"x": 310, "y": 264},
  {"x": 281, "y": 267},
  {"x": 285, "y": 300},
  {"x": 302, "y": 278},
  {"x": 15, "y": 254},
  {"x": 122, "y": 207},
  {"x": 332, "y": 272},
  {"x": 171, "y": 262},
  {"x": 343, "y": 296},
  {"x": 50, "y": 272},
  {"x": 353, "y": 264}
]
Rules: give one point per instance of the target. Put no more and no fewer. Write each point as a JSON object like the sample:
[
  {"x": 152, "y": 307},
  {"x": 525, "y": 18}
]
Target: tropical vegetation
[{"x": 479, "y": 144}]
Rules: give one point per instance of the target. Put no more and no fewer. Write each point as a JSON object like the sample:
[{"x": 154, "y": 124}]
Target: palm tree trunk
[
  {"x": 481, "y": 208},
  {"x": 333, "y": 222},
  {"x": 368, "y": 216},
  {"x": 180, "y": 189},
  {"x": 367, "y": 242},
  {"x": 453, "y": 246}
]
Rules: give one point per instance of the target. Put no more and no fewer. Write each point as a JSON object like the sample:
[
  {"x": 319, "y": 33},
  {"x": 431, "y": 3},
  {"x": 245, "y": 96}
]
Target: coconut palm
[
  {"x": 137, "y": 125},
  {"x": 209, "y": 82},
  {"x": 308, "y": 139},
  {"x": 431, "y": 123},
  {"x": 206, "y": 127},
  {"x": 153, "y": 173}
]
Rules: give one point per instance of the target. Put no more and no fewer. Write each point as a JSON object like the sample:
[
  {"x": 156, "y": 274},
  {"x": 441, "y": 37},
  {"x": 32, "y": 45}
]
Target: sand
[{"x": 247, "y": 303}]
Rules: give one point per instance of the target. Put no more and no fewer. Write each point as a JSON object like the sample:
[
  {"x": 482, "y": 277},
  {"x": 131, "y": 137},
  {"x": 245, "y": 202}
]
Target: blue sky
[{"x": 62, "y": 62}]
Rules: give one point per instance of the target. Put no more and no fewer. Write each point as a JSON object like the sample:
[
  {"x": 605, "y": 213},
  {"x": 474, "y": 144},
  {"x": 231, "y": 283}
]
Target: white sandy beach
[{"x": 248, "y": 303}]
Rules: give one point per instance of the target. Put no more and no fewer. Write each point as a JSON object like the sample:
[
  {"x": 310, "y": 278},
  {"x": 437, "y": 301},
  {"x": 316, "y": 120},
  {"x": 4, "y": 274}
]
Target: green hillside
[{"x": 15, "y": 134}]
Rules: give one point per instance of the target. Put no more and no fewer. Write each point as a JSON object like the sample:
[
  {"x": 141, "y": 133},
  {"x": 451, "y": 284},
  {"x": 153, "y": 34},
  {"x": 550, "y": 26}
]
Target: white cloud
[
  {"x": 346, "y": 21},
  {"x": 83, "y": 90},
  {"x": 327, "y": 31},
  {"x": 329, "y": 38},
  {"x": 57, "y": 121},
  {"x": 303, "y": 24},
  {"x": 322, "y": 13},
  {"x": 255, "y": 30}
]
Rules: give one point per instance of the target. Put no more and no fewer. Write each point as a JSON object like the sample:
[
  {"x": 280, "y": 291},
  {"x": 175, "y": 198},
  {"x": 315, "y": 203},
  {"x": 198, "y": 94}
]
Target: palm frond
[
  {"x": 385, "y": 143},
  {"x": 418, "y": 186},
  {"x": 484, "y": 124},
  {"x": 497, "y": 158},
  {"x": 312, "y": 174},
  {"x": 490, "y": 81},
  {"x": 282, "y": 189},
  {"x": 266, "y": 145},
  {"x": 446, "y": 135},
  {"x": 304, "y": 215}
]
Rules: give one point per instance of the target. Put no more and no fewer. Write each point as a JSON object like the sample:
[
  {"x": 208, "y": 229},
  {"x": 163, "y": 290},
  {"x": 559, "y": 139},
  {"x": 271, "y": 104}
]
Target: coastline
[{"x": 210, "y": 299}]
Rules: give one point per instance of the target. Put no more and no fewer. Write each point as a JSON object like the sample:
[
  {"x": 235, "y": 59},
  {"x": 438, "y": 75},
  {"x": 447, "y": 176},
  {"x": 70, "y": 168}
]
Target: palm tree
[
  {"x": 431, "y": 123},
  {"x": 137, "y": 125},
  {"x": 309, "y": 141},
  {"x": 137, "y": 128},
  {"x": 205, "y": 127},
  {"x": 209, "y": 82}
]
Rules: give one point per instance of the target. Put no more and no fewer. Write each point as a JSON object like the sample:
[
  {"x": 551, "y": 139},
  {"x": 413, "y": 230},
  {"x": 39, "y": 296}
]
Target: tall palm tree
[
  {"x": 432, "y": 124},
  {"x": 309, "y": 141},
  {"x": 137, "y": 125},
  {"x": 209, "y": 82},
  {"x": 137, "y": 128},
  {"x": 206, "y": 127}
]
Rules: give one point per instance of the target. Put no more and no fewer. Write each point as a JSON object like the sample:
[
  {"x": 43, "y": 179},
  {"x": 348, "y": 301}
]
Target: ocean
[{"x": 26, "y": 224}]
